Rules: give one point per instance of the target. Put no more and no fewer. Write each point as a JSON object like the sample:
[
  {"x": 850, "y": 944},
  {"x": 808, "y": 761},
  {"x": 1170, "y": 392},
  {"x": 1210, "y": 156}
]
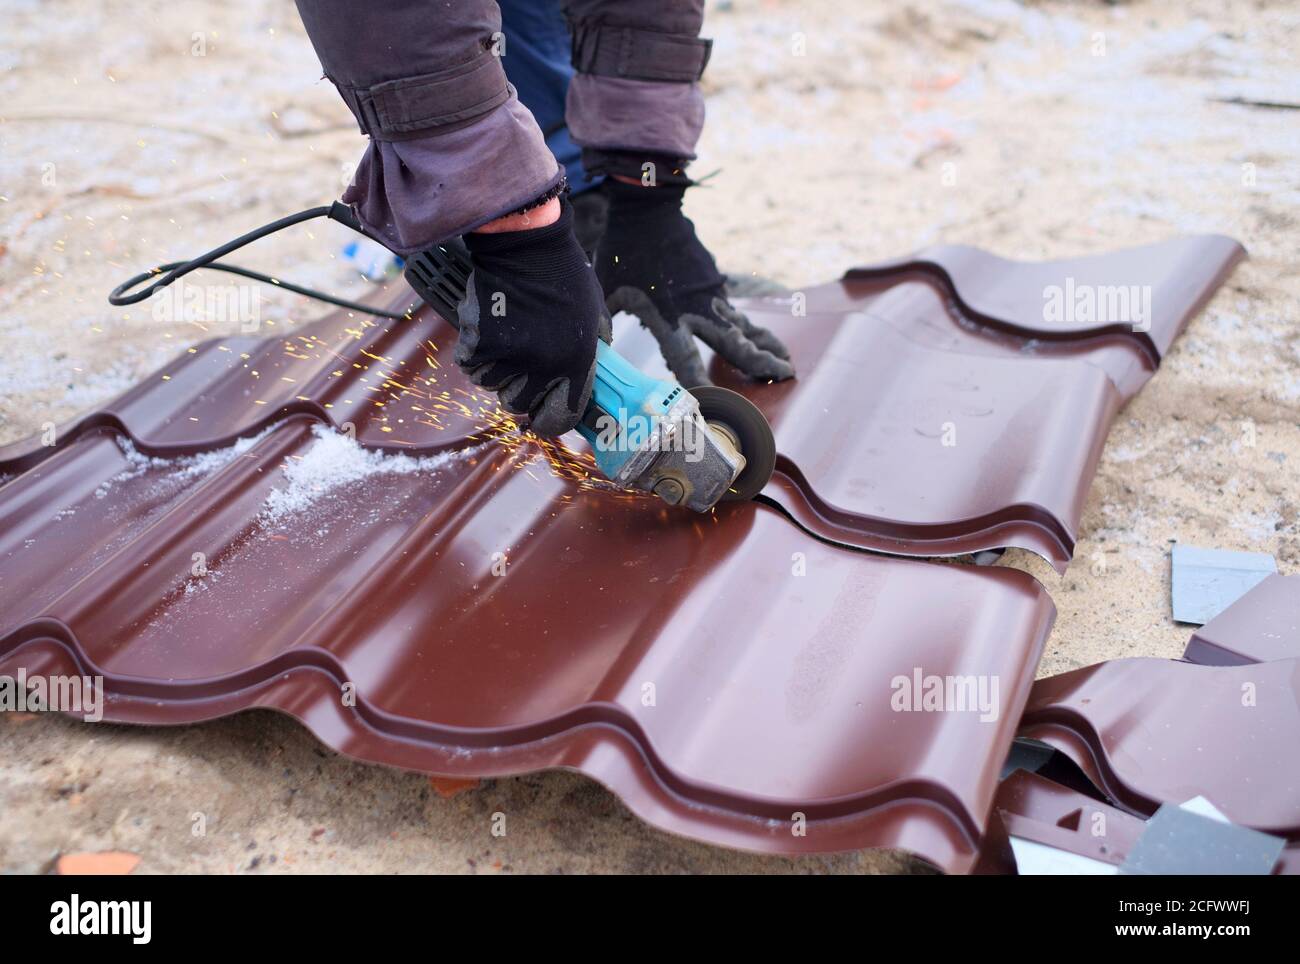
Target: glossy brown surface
[
  {"x": 936, "y": 412},
  {"x": 1262, "y": 625},
  {"x": 681, "y": 660},
  {"x": 1153, "y": 731},
  {"x": 1181, "y": 274}
]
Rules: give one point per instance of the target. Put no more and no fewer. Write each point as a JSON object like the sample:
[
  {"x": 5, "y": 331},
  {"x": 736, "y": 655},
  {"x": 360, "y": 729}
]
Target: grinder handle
[{"x": 440, "y": 276}]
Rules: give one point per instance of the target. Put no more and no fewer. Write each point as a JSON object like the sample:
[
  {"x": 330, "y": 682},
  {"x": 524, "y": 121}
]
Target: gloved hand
[
  {"x": 651, "y": 264},
  {"x": 532, "y": 312}
]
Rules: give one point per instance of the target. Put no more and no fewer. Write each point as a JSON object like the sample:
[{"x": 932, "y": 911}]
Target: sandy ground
[{"x": 140, "y": 132}]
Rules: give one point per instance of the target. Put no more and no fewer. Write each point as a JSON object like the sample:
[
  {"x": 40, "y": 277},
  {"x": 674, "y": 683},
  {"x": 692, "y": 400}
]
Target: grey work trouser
[{"x": 451, "y": 147}]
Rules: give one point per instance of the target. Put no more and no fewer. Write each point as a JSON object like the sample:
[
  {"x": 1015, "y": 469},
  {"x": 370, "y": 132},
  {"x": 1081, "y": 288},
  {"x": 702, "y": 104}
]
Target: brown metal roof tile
[
  {"x": 385, "y": 379},
  {"x": 1182, "y": 274},
  {"x": 1263, "y": 624},
  {"x": 324, "y": 563},
  {"x": 771, "y": 690},
  {"x": 937, "y": 413},
  {"x": 1152, "y": 731},
  {"x": 916, "y": 427}
]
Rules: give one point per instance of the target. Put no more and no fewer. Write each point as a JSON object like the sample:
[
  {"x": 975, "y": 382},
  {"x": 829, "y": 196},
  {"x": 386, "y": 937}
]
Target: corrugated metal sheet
[
  {"x": 490, "y": 620},
  {"x": 1152, "y": 731},
  {"x": 447, "y": 595},
  {"x": 949, "y": 415}
]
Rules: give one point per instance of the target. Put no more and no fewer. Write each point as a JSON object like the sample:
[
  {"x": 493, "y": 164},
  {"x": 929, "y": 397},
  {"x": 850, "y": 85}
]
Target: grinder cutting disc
[{"x": 747, "y": 427}]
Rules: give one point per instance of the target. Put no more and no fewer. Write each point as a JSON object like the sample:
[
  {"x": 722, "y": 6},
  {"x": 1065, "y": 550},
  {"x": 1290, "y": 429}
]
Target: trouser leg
[
  {"x": 636, "y": 99},
  {"x": 537, "y": 63}
]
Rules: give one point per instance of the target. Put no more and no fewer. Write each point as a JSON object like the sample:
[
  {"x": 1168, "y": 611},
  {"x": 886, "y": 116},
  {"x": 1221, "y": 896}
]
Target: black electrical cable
[{"x": 177, "y": 269}]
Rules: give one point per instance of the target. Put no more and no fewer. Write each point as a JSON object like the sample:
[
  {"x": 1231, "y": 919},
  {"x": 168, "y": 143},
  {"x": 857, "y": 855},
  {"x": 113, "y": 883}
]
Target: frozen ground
[{"x": 141, "y": 132}]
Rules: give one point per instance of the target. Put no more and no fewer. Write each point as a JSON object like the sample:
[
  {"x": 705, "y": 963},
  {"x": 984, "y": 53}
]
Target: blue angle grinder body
[{"x": 692, "y": 448}]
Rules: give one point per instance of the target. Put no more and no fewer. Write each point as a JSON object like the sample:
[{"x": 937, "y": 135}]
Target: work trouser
[
  {"x": 539, "y": 68},
  {"x": 451, "y": 147}
]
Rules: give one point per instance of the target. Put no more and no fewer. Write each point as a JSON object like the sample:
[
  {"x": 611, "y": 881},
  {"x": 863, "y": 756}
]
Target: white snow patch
[
  {"x": 335, "y": 460},
  {"x": 183, "y": 468},
  {"x": 199, "y": 584}
]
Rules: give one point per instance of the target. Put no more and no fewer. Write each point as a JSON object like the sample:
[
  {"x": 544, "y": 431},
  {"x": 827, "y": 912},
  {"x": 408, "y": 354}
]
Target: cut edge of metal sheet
[
  {"x": 939, "y": 272},
  {"x": 1073, "y": 736},
  {"x": 1033, "y": 807}
]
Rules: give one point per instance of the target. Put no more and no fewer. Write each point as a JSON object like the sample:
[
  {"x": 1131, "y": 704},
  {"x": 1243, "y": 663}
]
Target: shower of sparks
[{"x": 397, "y": 387}]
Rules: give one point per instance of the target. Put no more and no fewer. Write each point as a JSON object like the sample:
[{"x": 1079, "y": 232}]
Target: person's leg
[
  {"x": 635, "y": 107},
  {"x": 636, "y": 97},
  {"x": 537, "y": 64},
  {"x": 451, "y": 148}
]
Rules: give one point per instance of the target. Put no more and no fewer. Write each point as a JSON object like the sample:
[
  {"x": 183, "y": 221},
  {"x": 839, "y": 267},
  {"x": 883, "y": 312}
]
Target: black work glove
[
  {"x": 532, "y": 312},
  {"x": 651, "y": 264}
]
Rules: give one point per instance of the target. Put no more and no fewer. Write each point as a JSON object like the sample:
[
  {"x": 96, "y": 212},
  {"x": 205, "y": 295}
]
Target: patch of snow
[
  {"x": 199, "y": 584},
  {"x": 183, "y": 468},
  {"x": 335, "y": 460}
]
